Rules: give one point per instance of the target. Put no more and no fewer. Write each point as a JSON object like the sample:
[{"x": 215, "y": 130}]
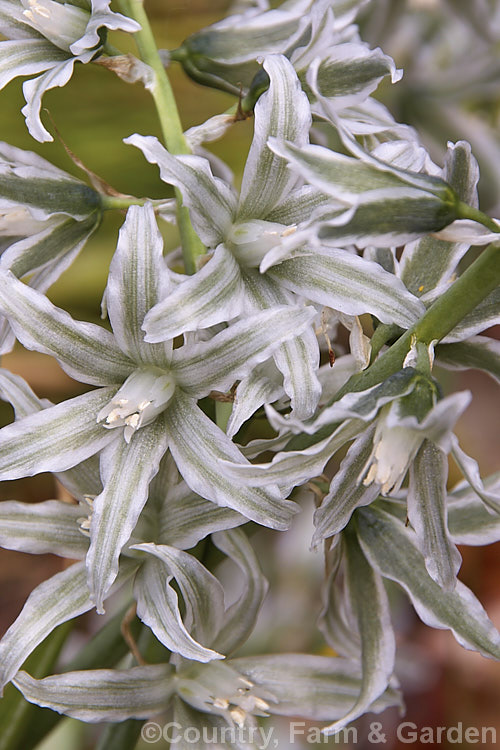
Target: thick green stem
[{"x": 171, "y": 126}]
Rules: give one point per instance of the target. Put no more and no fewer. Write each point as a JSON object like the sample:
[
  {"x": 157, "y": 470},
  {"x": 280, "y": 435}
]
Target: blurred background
[{"x": 450, "y": 90}]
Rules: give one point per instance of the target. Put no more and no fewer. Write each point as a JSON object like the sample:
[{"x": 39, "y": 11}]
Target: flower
[
  {"x": 146, "y": 399},
  {"x": 269, "y": 225},
  {"x": 46, "y": 35}
]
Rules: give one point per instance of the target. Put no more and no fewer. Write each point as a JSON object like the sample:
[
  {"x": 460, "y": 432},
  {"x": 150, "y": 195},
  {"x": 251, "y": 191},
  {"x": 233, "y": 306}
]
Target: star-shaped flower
[
  {"x": 146, "y": 401},
  {"x": 269, "y": 225}
]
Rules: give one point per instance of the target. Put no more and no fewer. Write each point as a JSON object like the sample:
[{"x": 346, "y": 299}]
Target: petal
[
  {"x": 351, "y": 284},
  {"x": 137, "y": 282},
  {"x": 18, "y": 393},
  {"x": 252, "y": 392},
  {"x": 290, "y": 468},
  {"x": 212, "y": 295},
  {"x": 477, "y": 353},
  {"x": 101, "y": 17},
  {"x": 53, "y": 602},
  {"x": 55, "y": 439},
  {"x": 282, "y": 111},
  {"x": 27, "y": 57},
  {"x": 186, "y": 518},
  {"x": 315, "y": 687},
  {"x": 347, "y": 492},
  {"x": 485, "y": 315},
  {"x": 232, "y": 353},
  {"x": 126, "y": 471},
  {"x": 298, "y": 358},
  {"x": 86, "y": 351},
  {"x": 212, "y": 203},
  {"x": 469, "y": 521},
  {"x": 240, "y": 617},
  {"x": 427, "y": 514},
  {"x": 370, "y": 606},
  {"x": 392, "y": 549},
  {"x": 158, "y": 608},
  {"x": 103, "y": 694},
  {"x": 470, "y": 470},
  {"x": 13, "y": 23},
  {"x": 199, "y": 447},
  {"x": 34, "y": 89},
  {"x": 39, "y": 528},
  {"x": 52, "y": 250},
  {"x": 202, "y": 593}
]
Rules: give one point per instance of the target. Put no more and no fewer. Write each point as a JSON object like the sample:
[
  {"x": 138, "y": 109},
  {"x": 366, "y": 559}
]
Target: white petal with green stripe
[
  {"x": 427, "y": 514},
  {"x": 241, "y": 616},
  {"x": 393, "y": 550},
  {"x": 212, "y": 203},
  {"x": 212, "y": 295},
  {"x": 55, "y": 439},
  {"x": 353, "y": 285},
  {"x": 216, "y": 364},
  {"x": 200, "y": 448},
  {"x": 35, "y": 88},
  {"x": 39, "y": 528},
  {"x": 126, "y": 471},
  {"x": 136, "y": 282},
  {"x": 158, "y": 608},
  {"x": 86, "y": 351},
  {"x": 103, "y": 694},
  {"x": 283, "y": 112}
]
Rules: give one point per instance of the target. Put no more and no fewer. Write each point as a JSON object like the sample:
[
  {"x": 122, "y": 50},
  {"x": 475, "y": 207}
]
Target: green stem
[
  {"x": 479, "y": 280},
  {"x": 170, "y": 122},
  {"x": 468, "y": 212}
]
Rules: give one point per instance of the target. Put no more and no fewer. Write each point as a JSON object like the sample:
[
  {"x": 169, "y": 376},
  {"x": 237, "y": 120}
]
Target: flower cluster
[{"x": 342, "y": 222}]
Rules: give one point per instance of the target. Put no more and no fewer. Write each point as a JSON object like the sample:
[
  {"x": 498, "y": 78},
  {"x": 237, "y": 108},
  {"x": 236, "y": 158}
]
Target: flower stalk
[{"x": 171, "y": 126}]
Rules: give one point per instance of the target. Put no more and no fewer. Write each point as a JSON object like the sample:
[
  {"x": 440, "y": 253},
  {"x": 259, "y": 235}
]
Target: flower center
[
  {"x": 250, "y": 241},
  {"x": 143, "y": 396},
  {"x": 62, "y": 24},
  {"x": 219, "y": 689}
]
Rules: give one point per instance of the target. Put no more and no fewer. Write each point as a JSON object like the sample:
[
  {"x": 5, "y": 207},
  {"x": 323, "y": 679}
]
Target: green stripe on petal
[
  {"x": 136, "y": 282},
  {"x": 392, "y": 549},
  {"x": 202, "y": 593},
  {"x": 126, "y": 471},
  {"x": 232, "y": 353},
  {"x": 211, "y": 202},
  {"x": 103, "y": 694},
  {"x": 39, "y": 528},
  {"x": 212, "y": 295},
  {"x": 27, "y": 57},
  {"x": 158, "y": 608},
  {"x": 283, "y": 111},
  {"x": 56, "y": 438},
  {"x": 370, "y": 607},
  {"x": 350, "y": 284},
  {"x": 427, "y": 514},
  {"x": 86, "y": 351},
  {"x": 199, "y": 448},
  {"x": 55, "y": 601},
  {"x": 240, "y": 617}
]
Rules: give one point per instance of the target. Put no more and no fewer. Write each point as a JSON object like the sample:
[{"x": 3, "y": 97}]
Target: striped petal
[
  {"x": 199, "y": 448},
  {"x": 212, "y": 295},
  {"x": 126, "y": 471},
  {"x": 86, "y": 351},
  {"x": 103, "y": 694},
  {"x": 55, "y": 439},
  {"x": 39, "y": 528},
  {"x": 283, "y": 111},
  {"x": 136, "y": 282}
]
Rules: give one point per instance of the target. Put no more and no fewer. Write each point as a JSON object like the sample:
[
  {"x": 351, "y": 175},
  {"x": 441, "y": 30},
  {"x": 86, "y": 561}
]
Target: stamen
[{"x": 238, "y": 715}]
